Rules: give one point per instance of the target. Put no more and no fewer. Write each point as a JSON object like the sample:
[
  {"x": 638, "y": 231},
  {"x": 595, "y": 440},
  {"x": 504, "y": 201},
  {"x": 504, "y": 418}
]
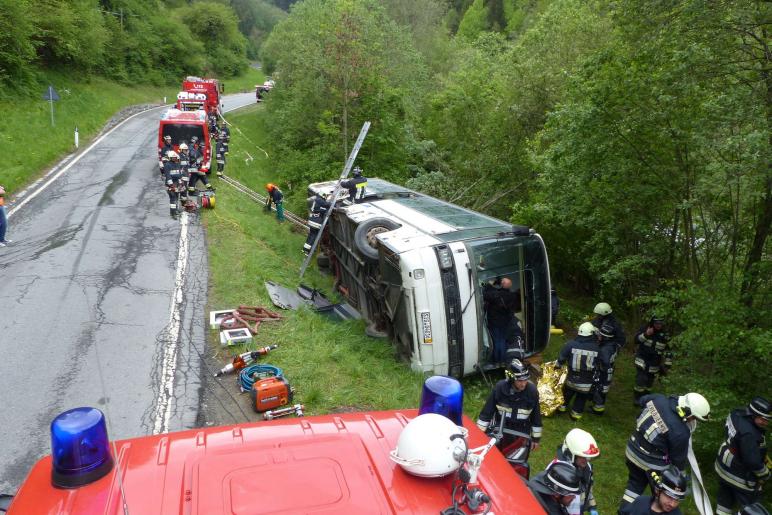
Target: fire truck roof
[{"x": 327, "y": 464}]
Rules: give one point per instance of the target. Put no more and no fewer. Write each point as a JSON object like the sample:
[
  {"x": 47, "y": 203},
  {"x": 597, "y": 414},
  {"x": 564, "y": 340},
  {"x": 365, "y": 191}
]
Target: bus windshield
[{"x": 182, "y": 132}]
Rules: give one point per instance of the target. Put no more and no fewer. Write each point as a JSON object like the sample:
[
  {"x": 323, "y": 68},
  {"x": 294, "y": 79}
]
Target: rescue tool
[
  {"x": 244, "y": 359},
  {"x": 297, "y": 410}
]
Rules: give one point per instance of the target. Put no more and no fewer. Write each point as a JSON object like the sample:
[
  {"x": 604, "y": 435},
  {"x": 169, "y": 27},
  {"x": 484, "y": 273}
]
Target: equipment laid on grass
[
  {"x": 252, "y": 373},
  {"x": 248, "y": 317},
  {"x": 235, "y": 336},
  {"x": 242, "y": 360},
  {"x": 270, "y": 393},
  {"x": 207, "y": 199},
  {"x": 297, "y": 410}
]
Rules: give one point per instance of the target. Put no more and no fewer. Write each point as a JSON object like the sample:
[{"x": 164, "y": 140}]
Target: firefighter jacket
[
  {"x": 661, "y": 436},
  {"x": 356, "y": 188},
  {"x": 519, "y": 410},
  {"x": 585, "y": 478},
  {"x": 318, "y": 210},
  {"x": 164, "y": 150},
  {"x": 545, "y": 496},
  {"x": 220, "y": 152},
  {"x": 619, "y": 332},
  {"x": 741, "y": 458},
  {"x": 642, "y": 506},
  {"x": 582, "y": 355},
  {"x": 196, "y": 157},
  {"x": 185, "y": 161},
  {"x": 226, "y": 132},
  {"x": 172, "y": 171},
  {"x": 653, "y": 352}
]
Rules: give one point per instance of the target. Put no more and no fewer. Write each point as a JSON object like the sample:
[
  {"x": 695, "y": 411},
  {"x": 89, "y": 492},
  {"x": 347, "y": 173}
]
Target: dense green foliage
[
  {"x": 129, "y": 41},
  {"x": 635, "y": 136}
]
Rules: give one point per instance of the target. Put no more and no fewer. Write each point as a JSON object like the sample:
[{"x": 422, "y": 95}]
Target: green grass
[
  {"x": 245, "y": 82},
  {"x": 335, "y": 367},
  {"x": 30, "y": 144}
]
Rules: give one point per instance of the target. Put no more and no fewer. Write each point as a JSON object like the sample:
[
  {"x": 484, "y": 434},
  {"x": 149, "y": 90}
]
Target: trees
[{"x": 339, "y": 63}]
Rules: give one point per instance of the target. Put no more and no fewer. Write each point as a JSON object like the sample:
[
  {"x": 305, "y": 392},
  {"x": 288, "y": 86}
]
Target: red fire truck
[
  {"x": 388, "y": 462},
  {"x": 212, "y": 88},
  {"x": 181, "y": 126}
]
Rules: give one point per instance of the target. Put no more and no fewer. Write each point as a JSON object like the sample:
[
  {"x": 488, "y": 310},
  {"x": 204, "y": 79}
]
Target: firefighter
[
  {"x": 609, "y": 348},
  {"x": 606, "y": 316},
  {"x": 669, "y": 488},
  {"x": 582, "y": 356},
  {"x": 173, "y": 176},
  {"x": 194, "y": 168},
  {"x": 512, "y": 406},
  {"x": 163, "y": 152},
  {"x": 741, "y": 463},
  {"x": 220, "y": 152},
  {"x": 225, "y": 132},
  {"x": 212, "y": 119},
  {"x": 556, "y": 487},
  {"x": 355, "y": 186},
  {"x": 652, "y": 356},
  {"x": 276, "y": 197},
  {"x": 661, "y": 438},
  {"x": 754, "y": 509},
  {"x": 319, "y": 208},
  {"x": 578, "y": 448}
]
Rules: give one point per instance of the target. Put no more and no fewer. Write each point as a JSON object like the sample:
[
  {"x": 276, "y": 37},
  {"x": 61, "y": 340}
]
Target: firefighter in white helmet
[
  {"x": 579, "y": 447},
  {"x": 582, "y": 356},
  {"x": 661, "y": 438}
]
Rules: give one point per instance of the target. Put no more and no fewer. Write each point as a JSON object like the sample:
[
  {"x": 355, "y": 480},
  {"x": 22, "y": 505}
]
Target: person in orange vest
[{"x": 3, "y": 219}]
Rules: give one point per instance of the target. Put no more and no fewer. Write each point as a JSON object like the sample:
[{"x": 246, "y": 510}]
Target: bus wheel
[{"x": 364, "y": 236}]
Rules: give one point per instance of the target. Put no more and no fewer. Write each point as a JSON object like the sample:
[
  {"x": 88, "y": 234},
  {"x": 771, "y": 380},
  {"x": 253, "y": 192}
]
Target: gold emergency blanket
[{"x": 550, "y": 387}]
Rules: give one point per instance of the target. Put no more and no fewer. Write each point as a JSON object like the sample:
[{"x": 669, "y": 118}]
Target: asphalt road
[{"x": 102, "y": 299}]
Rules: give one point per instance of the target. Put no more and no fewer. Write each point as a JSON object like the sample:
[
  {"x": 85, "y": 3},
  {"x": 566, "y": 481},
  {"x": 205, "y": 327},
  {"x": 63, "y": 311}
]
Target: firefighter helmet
[
  {"x": 579, "y": 442},
  {"x": 194, "y": 139},
  {"x": 671, "y": 482},
  {"x": 357, "y": 171},
  {"x": 167, "y": 138},
  {"x": 430, "y": 445},
  {"x": 587, "y": 329},
  {"x": 270, "y": 186},
  {"x": 760, "y": 407},
  {"x": 183, "y": 146},
  {"x": 656, "y": 319},
  {"x": 602, "y": 309},
  {"x": 173, "y": 155},
  {"x": 517, "y": 371},
  {"x": 562, "y": 478},
  {"x": 694, "y": 404}
]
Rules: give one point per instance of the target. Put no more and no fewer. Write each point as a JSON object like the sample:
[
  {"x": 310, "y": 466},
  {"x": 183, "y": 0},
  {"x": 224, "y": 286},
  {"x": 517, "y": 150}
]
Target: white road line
[
  {"x": 169, "y": 362},
  {"x": 37, "y": 192}
]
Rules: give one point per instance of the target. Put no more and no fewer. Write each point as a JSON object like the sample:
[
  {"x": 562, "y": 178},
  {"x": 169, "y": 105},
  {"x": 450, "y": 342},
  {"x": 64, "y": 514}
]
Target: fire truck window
[{"x": 183, "y": 133}]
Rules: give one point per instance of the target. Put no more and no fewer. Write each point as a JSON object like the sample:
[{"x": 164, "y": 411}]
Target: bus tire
[{"x": 364, "y": 236}]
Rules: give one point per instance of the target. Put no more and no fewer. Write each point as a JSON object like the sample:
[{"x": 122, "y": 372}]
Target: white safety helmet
[
  {"x": 430, "y": 445},
  {"x": 587, "y": 329},
  {"x": 579, "y": 442},
  {"x": 173, "y": 155},
  {"x": 183, "y": 146},
  {"x": 694, "y": 404},
  {"x": 602, "y": 309},
  {"x": 167, "y": 138}
]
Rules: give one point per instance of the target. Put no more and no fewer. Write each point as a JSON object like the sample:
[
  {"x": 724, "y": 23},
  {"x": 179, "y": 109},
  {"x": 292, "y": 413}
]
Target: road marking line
[
  {"x": 35, "y": 193},
  {"x": 169, "y": 362}
]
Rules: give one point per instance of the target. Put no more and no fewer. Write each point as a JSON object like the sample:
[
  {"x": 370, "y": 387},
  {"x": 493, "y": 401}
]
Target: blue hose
[{"x": 246, "y": 379}]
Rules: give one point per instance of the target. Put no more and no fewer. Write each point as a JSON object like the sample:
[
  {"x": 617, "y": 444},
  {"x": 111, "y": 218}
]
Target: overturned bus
[{"x": 415, "y": 267}]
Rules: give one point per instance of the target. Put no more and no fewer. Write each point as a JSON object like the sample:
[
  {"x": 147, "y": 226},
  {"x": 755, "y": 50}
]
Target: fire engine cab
[{"x": 389, "y": 462}]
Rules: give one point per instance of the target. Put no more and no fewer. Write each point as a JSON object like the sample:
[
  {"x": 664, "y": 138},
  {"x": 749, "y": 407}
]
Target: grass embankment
[
  {"x": 334, "y": 366},
  {"x": 31, "y": 144}
]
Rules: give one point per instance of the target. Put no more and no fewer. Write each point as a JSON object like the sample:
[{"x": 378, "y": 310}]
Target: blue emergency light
[
  {"x": 80, "y": 448},
  {"x": 444, "y": 396}
]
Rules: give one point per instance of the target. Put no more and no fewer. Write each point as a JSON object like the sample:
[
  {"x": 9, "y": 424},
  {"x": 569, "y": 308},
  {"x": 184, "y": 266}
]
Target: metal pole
[
  {"x": 51, "y": 101},
  {"x": 76, "y": 137},
  {"x": 343, "y": 175}
]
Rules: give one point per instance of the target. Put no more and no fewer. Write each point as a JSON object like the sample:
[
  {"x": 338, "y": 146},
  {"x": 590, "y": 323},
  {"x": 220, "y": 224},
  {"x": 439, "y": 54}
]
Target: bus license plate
[{"x": 426, "y": 323}]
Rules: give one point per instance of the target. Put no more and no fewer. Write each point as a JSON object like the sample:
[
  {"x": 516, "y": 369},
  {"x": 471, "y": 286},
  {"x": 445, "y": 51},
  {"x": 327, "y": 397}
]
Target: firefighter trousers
[
  {"x": 637, "y": 481},
  {"x": 728, "y": 497},
  {"x": 312, "y": 232},
  {"x": 644, "y": 381},
  {"x": 579, "y": 400}
]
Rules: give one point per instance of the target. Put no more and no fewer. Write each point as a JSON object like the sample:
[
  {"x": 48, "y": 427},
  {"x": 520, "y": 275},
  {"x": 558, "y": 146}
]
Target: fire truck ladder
[{"x": 335, "y": 193}]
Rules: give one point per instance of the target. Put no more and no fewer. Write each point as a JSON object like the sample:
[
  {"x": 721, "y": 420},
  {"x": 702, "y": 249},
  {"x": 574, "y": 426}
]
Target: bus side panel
[{"x": 430, "y": 307}]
